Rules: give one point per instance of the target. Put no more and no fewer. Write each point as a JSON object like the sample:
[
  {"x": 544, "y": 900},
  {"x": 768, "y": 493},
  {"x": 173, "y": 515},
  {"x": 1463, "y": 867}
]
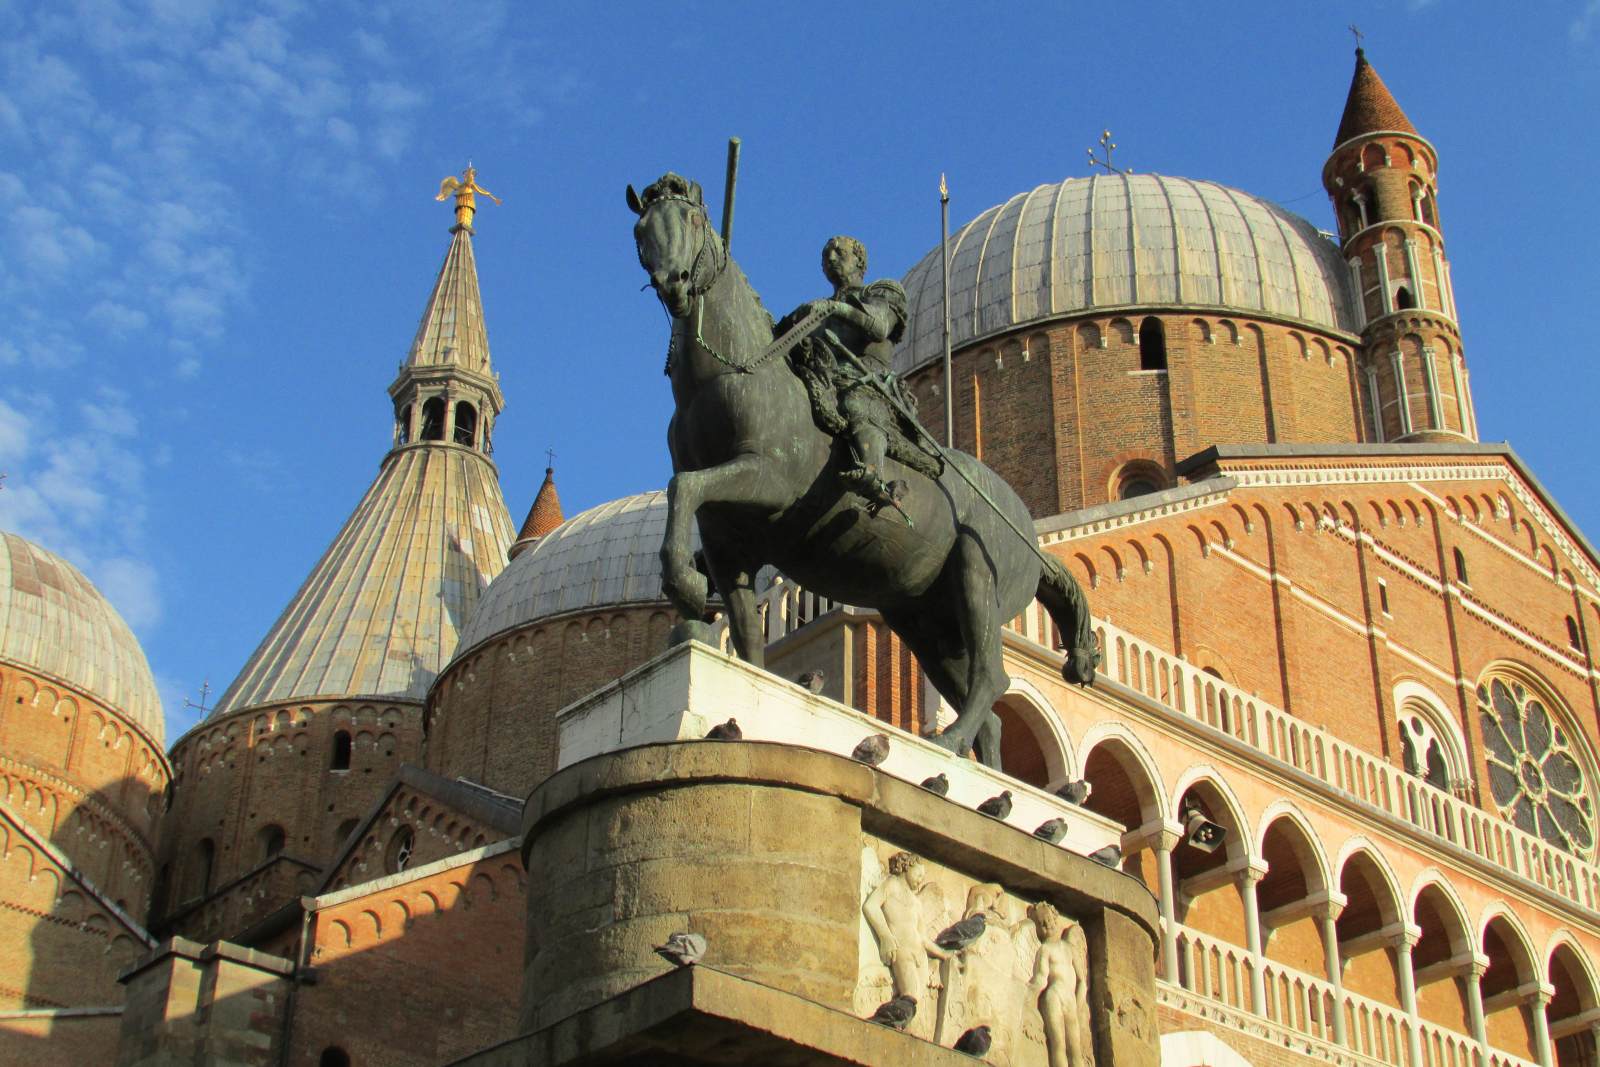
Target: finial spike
[
  {"x": 550, "y": 457},
  {"x": 1356, "y": 32},
  {"x": 1109, "y": 146}
]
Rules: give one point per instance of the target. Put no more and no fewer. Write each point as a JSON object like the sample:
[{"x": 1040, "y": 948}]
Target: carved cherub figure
[
  {"x": 894, "y": 914},
  {"x": 1061, "y": 981},
  {"x": 463, "y": 190}
]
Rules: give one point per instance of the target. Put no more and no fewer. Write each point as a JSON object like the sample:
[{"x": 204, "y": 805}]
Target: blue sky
[{"x": 217, "y": 228}]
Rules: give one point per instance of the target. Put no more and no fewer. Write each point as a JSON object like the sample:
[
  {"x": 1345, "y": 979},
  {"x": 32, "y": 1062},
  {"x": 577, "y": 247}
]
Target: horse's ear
[
  {"x": 634, "y": 203},
  {"x": 695, "y": 194}
]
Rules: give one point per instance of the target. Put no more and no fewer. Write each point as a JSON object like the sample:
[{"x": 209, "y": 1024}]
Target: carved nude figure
[
  {"x": 1061, "y": 981},
  {"x": 894, "y": 914}
]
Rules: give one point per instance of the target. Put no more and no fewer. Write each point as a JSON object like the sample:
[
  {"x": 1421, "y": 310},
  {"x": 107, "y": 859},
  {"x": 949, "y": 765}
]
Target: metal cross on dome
[
  {"x": 1356, "y": 32},
  {"x": 1110, "y": 146}
]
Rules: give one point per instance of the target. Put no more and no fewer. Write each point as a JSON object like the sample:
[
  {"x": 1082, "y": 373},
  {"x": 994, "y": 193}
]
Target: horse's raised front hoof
[
  {"x": 691, "y": 630},
  {"x": 687, "y": 589}
]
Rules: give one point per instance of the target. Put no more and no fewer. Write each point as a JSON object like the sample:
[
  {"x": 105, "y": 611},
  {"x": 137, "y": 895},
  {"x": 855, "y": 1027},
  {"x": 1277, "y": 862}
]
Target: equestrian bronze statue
[{"x": 932, "y": 539}]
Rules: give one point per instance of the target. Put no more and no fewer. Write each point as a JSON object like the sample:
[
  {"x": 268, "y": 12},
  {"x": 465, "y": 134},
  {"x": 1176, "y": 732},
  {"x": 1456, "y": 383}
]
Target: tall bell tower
[{"x": 1383, "y": 179}]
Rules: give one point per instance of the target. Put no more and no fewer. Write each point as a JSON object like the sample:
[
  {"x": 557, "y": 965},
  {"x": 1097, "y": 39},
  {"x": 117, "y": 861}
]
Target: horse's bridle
[{"x": 695, "y": 289}]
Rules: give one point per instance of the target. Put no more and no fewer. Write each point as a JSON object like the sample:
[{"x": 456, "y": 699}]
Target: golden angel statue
[{"x": 463, "y": 190}]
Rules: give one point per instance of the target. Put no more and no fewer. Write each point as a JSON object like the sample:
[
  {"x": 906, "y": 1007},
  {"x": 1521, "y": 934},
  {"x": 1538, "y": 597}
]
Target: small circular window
[
  {"x": 398, "y": 855},
  {"x": 1535, "y": 773}
]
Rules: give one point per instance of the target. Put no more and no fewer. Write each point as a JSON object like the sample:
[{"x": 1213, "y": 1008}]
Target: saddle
[{"x": 818, "y": 366}]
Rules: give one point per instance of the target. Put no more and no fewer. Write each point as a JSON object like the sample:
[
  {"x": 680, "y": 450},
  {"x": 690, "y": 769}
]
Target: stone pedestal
[{"x": 807, "y": 872}]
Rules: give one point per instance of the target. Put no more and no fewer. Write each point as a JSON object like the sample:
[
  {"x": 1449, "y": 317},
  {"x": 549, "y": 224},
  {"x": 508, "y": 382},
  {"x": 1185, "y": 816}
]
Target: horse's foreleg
[
  {"x": 735, "y": 580},
  {"x": 743, "y": 480}
]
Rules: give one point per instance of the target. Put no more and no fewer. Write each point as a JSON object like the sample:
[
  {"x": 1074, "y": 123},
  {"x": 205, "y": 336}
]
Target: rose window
[{"x": 1534, "y": 773}]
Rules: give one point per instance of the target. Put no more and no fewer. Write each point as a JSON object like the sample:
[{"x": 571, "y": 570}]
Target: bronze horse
[{"x": 751, "y": 466}]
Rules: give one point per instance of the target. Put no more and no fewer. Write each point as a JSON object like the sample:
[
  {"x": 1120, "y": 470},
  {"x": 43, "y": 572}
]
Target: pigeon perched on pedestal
[
  {"x": 1052, "y": 831},
  {"x": 974, "y": 1042},
  {"x": 997, "y": 807},
  {"x": 725, "y": 731},
  {"x": 872, "y": 750},
  {"x": 938, "y": 785},
  {"x": 1111, "y": 856},
  {"x": 896, "y": 1013},
  {"x": 1076, "y": 792},
  {"x": 958, "y": 936},
  {"x": 682, "y": 949},
  {"x": 813, "y": 680}
]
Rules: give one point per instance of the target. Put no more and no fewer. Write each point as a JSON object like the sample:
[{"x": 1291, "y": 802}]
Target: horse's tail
[{"x": 1069, "y": 609}]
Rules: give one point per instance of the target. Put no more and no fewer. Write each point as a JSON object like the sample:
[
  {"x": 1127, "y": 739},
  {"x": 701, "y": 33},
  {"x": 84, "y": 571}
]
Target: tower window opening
[
  {"x": 1152, "y": 345},
  {"x": 341, "y": 751},
  {"x": 1403, "y": 298},
  {"x": 402, "y": 430},
  {"x": 1461, "y": 566},
  {"x": 1573, "y": 637},
  {"x": 433, "y": 419},
  {"x": 1426, "y": 204},
  {"x": 271, "y": 839},
  {"x": 333, "y": 1056},
  {"x": 466, "y": 424},
  {"x": 1383, "y": 596}
]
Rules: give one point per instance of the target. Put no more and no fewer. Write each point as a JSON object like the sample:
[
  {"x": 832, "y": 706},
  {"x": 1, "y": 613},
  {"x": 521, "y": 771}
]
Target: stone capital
[
  {"x": 1252, "y": 872},
  {"x": 1160, "y": 835},
  {"x": 1328, "y": 905}
]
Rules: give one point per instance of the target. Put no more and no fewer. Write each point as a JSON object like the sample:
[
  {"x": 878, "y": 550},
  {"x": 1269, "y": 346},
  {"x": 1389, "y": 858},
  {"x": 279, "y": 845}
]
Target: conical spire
[
  {"x": 452, "y": 332},
  {"x": 381, "y": 612},
  {"x": 1370, "y": 107},
  {"x": 544, "y": 516}
]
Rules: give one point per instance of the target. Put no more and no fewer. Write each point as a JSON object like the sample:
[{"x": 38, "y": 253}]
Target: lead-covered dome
[
  {"x": 54, "y": 621},
  {"x": 1124, "y": 240},
  {"x": 604, "y": 557}
]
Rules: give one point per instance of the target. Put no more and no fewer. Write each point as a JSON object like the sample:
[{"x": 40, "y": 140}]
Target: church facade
[{"x": 1346, "y": 727}]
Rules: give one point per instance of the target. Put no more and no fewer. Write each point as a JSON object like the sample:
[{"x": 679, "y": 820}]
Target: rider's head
[{"x": 844, "y": 260}]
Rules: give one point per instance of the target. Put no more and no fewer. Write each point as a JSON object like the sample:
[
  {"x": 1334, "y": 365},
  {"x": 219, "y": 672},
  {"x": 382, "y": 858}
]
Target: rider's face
[{"x": 839, "y": 264}]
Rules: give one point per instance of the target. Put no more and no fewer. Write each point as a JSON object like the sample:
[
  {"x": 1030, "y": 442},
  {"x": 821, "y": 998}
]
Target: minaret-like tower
[
  {"x": 317, "y": 723},
  {"x": 1383, "y": 178}
]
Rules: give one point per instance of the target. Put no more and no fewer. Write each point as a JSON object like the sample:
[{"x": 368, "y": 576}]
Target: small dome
[
  {"x": 603, "y": 557},
  {"x": 54, "y": 621},
  {"x": 1124, "y": 240}
]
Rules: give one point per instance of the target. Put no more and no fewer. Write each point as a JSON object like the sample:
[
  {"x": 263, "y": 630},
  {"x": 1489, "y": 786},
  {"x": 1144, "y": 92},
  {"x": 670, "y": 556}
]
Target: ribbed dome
[
  {"x": 1124, "y": 240},
  {"x": 54, "y": 621},
  {"x": 606, "y": 556}
]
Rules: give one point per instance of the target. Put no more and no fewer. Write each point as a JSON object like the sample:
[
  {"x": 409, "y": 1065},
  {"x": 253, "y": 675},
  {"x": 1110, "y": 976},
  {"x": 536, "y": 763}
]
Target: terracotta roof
[
  {"x": 1370, "y": 106},
  {"x": 545, "y": 515}
]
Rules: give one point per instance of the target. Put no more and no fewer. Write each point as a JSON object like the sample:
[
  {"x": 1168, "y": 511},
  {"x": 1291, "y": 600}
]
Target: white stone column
[
  {"x": 1406, "y": 939},
  {"x": 1538, "y": 1001},
  {"x": 1162, "y": 844},
  {"x": 1249, "y": 876},
  {"x": 1327, "y": 912},
  {"x": 1401, "y": 397},
  {"x": 1473, "y": 973}
]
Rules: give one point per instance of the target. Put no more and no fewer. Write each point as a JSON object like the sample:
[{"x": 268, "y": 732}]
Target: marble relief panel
[{"x": 973, "y": 954}]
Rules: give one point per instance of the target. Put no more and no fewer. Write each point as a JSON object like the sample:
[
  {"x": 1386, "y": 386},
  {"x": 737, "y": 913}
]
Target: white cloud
[
  {"x": 133, "y": 588},
  {"x": 14, "y": 434},
  {"x": 1582, "y": 27},
  {"x": 119, "y": 320}
]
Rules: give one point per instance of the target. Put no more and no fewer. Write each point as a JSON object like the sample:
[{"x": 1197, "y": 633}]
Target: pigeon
[
  {"x": 813, "y": 680},
  {"x": 974, "y": 1042},
  {"x": 682, "y": 949},
  {"x": 1052, "y": 832},
  {"x": 1076, "y": 792},
  {"x": 726, "y": 731},
  {"x": 896, "y": 1013},
  {"x": 958, "y": 936},
  {"x": 872, "y": 750},
  {"x": 1111, "y": 856},
  {"x": 997, "y": 807},
  {"x": 938, "y": 785}
]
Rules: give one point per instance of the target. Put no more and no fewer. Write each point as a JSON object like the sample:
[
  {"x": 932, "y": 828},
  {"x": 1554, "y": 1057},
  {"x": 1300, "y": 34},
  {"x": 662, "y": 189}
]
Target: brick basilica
[{"x": 1335, "y": 627}]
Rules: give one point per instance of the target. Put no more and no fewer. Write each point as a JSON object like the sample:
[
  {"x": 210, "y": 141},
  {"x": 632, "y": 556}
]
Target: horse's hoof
[
  {"x": 689, "y": 591},
  {"x": 691, "y": 630},
  {"x": 951, "y": 742}
]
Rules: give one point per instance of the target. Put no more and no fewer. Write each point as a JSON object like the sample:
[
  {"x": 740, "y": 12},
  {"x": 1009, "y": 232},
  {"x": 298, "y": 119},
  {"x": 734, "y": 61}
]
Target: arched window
[
  {"x": 1137, "y": 478},
  {"x": 433, "y": 419},
  {"x": 1541, "y": 776},
  {"x": 1427, "y": 209},
  {"x": 466, "y": 424},
  {"x": 341, "y": 751},
  {"x": 205, "y": 854},
  {"x": 1573, "y": 637},
  {"x": 1152, "y": 345},
  {"x": 1461, "y": 566},
  {"x": 398, "y": 855},
  {"x": 1403, "y": 299},
  {"x": 270, "y": 837},
  {"x": 1430, "y": 742},
  {"x": 334, "y": 1056},
  {"x": 402, "y": 431}
]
